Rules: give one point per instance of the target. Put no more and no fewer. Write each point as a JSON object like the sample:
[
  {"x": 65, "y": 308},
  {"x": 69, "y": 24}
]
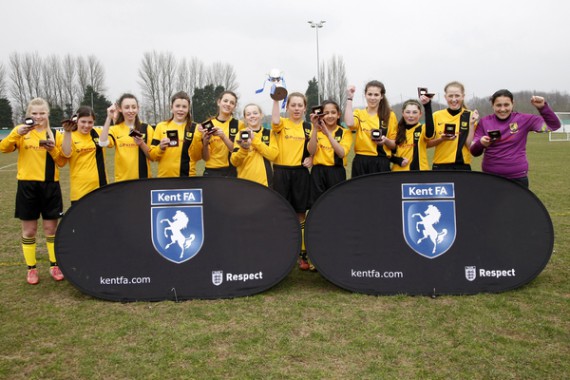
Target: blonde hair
[
  {"x": 252, "y": 105},
  {"x": 461, "y": 88},
  {"x": 37, "y": 102},
  {"x": 298, "y": 95},
  {"x": 40, "y": 102},
  {"x": 258, "y": 108},
  {"x": 455, "y": 84}
]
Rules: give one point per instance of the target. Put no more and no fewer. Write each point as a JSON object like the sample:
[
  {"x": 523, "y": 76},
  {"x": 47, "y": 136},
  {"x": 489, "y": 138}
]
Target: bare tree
[
  {"x": 198, "y": 73},
  {"x": 82, "y": 76},
  {"x": 160, "y": 76},
  {"x": 336, "y": 82},
  {"x": 48, "y": 81},
  {"x": 183, "y": 76},
  {"x": 17, "y": 84},
  {"x": 167, "y": 79},
  {"x": 25, "y": 79},
  {"x": 222, "y": 74},
  {"x": 230, "y": 78},
  {"x": 69, "y": 80},
  {"x": 95, "y": 74},
  {"x": 214, "y": 74},
  {"x": 32, "y": 69},
  {"x": 149, "y": 72},
  {"x": 191, "y": 74},
  {"x": 61, "y": 81},
  {"x": 2, "y": 81},
  {"x": 54, "y": 81},
  {"x": 89, "y": 72}
]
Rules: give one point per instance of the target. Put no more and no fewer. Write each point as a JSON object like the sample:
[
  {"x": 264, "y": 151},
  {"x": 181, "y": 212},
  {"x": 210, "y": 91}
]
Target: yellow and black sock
[
  {"x": 50, "y": 243},
  {"x": 29, "y": 249}
]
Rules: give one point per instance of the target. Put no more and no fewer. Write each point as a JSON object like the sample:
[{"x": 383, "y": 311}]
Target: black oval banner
[
  {"x": 429, "y": 233},
  {"x": 178, "y": 238}
]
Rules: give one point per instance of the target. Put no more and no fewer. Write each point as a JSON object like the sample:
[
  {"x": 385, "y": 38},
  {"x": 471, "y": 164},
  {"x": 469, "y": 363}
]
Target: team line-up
[{"x": 279, "y": 157}]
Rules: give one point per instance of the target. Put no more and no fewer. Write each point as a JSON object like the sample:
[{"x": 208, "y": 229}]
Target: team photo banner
[
  {"x": 429, "y": 233},
  {"x": 178, "y": 238}
]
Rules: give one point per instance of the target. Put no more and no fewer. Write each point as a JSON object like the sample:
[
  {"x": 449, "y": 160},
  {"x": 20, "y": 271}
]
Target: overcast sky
[{"x": 486, "y": 44}]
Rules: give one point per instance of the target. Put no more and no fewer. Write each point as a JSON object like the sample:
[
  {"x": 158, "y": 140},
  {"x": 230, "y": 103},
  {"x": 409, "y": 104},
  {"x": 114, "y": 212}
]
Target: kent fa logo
[
  {"x": 470, "y": 273},
  {"x": 177, "y": 224},
  {"x": 428, "y": 216}
]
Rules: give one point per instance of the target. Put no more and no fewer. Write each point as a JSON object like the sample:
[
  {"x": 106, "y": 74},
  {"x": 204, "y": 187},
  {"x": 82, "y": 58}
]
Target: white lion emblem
[
  {"x": 431, "y": 216},
  {"x": 179, "y": 222}
]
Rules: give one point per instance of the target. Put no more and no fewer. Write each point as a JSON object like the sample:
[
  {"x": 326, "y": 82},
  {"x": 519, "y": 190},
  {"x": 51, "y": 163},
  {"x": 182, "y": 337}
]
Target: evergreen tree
[
  {"x": 98, "y": 102},
  {"x": 312, "y": 96},
  {"x": 56, "y": 116},
  {"x": 204, "y": 102},
  {"x": 68, "y": 112},
  {"x": 5, "y": 114}
]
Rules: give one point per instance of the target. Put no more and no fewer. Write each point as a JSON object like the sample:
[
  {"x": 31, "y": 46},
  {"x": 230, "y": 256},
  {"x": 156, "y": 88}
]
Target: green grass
[{"x": 304, "y": 327}]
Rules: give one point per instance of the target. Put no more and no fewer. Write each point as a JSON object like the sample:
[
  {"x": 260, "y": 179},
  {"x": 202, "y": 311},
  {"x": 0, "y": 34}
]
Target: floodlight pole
[{"x": 317, "y": 26}]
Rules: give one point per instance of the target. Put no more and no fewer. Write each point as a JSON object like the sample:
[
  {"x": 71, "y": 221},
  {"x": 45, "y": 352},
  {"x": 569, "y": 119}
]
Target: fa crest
[
  {"x": 429, "y": 221},
  {"x": 217, "y": 277},
  {"x": 470, "y": 273},
  {"x": 177, "y": 229}
]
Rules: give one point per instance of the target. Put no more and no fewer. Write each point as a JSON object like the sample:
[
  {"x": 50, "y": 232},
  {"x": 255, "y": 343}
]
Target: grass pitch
[{"x": 304, "y": 328}]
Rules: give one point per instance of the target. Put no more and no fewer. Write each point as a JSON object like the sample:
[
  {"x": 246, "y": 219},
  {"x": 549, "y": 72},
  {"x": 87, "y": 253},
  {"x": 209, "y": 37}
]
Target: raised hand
[{"x": 537, "y": 101}]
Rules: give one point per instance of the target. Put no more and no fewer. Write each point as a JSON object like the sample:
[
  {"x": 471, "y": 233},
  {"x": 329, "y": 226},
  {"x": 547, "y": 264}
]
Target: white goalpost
[{"x": 562, "y": 134}]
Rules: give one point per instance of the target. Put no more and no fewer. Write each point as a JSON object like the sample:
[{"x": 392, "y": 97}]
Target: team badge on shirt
[
  {"x": 514, "y": 128},
  {"x": 177, "y": 223},
  {"x": 428, "y": 215}
]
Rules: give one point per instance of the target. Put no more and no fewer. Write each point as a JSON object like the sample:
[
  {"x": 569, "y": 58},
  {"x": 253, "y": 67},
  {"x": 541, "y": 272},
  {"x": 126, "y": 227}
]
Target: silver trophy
[{"x": 278, "y": 90}]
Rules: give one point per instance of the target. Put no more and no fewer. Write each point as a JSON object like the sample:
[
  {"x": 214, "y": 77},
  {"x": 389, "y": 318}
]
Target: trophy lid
[{"x": 275, "y": 73}]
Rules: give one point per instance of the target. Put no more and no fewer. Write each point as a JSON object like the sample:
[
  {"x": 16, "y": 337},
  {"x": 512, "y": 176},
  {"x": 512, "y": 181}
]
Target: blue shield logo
[
  {"x": 177, "y": 223},
  {"x": 428, "y": 217},
  {"x": 177, "y": 232},
  {"x": 429, "y": 226}
]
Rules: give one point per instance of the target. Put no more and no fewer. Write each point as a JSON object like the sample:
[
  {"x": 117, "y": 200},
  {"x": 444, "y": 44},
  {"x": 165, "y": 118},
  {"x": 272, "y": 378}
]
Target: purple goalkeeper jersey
[{"x": 507, "y": 156}]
